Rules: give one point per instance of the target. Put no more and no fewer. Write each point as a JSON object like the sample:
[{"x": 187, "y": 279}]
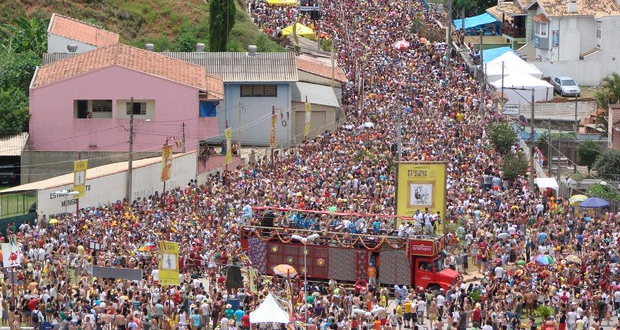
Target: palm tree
[
  {"x": 609, "y": 94},
  {"x": 25, "y": 35}
]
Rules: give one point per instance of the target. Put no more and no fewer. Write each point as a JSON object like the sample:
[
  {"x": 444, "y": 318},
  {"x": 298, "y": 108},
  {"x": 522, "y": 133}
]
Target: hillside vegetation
[{"x": 174, "y": 25}]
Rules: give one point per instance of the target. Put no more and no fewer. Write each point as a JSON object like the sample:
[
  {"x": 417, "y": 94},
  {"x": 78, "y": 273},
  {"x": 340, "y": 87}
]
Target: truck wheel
[{"x": 434, "y": 288}]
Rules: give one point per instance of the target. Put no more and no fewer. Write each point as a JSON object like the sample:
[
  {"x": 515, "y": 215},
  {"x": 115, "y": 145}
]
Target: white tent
[
  {"x": 268, "y": 312},
  {"x": 544, "y": 183},
  {"x": 543, "y": 91},
  {"x": 512, "y": 63}
]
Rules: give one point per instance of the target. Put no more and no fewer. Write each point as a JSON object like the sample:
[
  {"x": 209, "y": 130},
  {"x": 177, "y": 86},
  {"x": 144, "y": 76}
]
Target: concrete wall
[
  {"x": 256, "y": 120},
  {"x": 53, "y": 125},
  {"x": 322, "y": 118},
  {"x": 111, "y": 188},
  {"x": 58, "y": 44},
  {"x": 40, "y": 165}
]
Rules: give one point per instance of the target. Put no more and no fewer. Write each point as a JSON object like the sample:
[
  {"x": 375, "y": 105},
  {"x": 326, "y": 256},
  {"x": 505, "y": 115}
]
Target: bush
[
  {"x": 587, "y": 153},
  {"x": 607, "y": 165},
  {"x": 502, "y": 136},
  {"x": 514, "y": 165},
  {"x": 544, "y": 311}
]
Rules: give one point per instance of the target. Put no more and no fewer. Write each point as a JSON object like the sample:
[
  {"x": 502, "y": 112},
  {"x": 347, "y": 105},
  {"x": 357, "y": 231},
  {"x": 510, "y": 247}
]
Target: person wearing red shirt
[{"x": 245, "y": 322}]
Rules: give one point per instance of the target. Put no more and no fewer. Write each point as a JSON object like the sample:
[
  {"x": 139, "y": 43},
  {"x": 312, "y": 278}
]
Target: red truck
[{"x": 416, "y": 262}]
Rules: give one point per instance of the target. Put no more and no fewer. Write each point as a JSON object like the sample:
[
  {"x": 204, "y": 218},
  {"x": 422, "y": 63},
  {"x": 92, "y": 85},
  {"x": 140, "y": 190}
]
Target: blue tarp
[
  {"x": 493, "y": 53},
  {"x": 472, "y": 22},
  {"x": 208, "y": 109}
]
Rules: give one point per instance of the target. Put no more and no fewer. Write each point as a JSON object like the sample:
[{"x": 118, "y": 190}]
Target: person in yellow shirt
[
  {"x": 399, "y": 313},
  {"x": 408, "y": 310}
]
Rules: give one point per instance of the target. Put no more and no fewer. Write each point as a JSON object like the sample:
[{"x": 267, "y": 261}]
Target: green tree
[
  {"x": 24, "y": 35},
  {"x": 514, "y": 165},
  {"x": 14, "y": 113},
  {"x": 599, "y": 190},
  {"x": 502, "y": 136},
  {"x": 186, "y": 41},
  {"x": 222, "y": 13},
  {"x": 608, "y": 94},
  {"x": 587, "y": 152},
  {"x": 16, "y": 70},
  {"x": 607, "y": 165}
]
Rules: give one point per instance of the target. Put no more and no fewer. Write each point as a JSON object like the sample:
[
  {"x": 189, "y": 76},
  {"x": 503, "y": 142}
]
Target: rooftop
[
  {"x": 13, "y": 145},
  {"x": 320, "y": 68},
  {"x": 132, "y": 58},
  {"x": 81, "y": 31},
  {"x": 596, "y": 8}
]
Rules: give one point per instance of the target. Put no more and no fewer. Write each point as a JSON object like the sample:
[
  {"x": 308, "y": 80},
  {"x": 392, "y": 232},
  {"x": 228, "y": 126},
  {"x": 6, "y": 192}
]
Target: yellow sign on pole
[
  {"x": 421, "y": 186},
  {"x": 166, "y": 162},
  {"x": 79, "y": 177},
  {"x": 308, "y": 111},
  {"x": 169, "y": 263},
  {"x": 228, "y": 136},
  {"x": 272, "y": 138}
]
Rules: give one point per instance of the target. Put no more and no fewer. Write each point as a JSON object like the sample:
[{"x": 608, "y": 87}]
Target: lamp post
[
  {"x": 66, "y": 193},
  {"x": 95, "y": 246},
  {"x": 304, "y": 241}
]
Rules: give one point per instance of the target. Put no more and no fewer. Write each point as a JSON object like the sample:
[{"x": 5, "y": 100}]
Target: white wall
[
  {"x": 58, "y": 44},
  {"x": 111, "y": 188}
]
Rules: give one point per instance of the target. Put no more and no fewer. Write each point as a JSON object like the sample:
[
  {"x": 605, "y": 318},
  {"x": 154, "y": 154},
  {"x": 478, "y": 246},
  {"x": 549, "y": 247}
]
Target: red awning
[{"x": 541, "y": 18}]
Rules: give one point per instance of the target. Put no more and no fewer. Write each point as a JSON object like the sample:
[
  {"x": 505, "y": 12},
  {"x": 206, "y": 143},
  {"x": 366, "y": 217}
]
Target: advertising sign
[
  {"x": 421, "y": 186},
  {"x": 79, "y": 177},
  {"x": 169, "y": 263},
  {"x": 166, "y": 162}
]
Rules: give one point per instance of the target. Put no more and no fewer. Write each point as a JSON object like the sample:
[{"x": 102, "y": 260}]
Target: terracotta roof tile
[
  {"x": 541, "y": 18},
  {"x": 319, "y": 68},
  {"x": 133, "y": 58},
  {"x": 508, "y": 9},
  {"x": 81, "y": 31},
  {"x": 596, "y": 8}
]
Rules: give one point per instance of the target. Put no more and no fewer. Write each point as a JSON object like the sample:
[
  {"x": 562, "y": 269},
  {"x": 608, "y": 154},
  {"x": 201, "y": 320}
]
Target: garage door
[{"x": 317, "y": 125}]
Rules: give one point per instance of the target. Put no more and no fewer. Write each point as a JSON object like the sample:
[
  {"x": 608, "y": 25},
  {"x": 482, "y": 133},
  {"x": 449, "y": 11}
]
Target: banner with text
[
  {"x": 421, "y": 186},
  {"x": 228, "y": 136},
  {"x": 308, "y": 111},
  {"x": 272, "y": 137},
  {"x": 79, "y": 177},
  {"x": 166, "y": 162},
  {"x": 169, "y": 263}
]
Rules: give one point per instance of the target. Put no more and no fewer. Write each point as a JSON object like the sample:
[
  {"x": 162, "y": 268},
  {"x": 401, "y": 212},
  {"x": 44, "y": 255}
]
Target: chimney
[
  {"x": 252, "y": 50},
  {"x": 572, "y": 6},
  {"x": 149, "y": 47},
  {"x": 200, "y": 47},
  {"x": 72, "y": 48}
]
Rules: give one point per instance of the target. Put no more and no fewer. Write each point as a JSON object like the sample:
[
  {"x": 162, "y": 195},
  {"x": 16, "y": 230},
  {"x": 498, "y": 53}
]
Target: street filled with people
[{"x": 532, "y": 259}]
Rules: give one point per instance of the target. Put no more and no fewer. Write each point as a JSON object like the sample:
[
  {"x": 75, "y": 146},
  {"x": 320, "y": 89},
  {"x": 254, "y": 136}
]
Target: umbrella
[
  {"x": 574, "y": 259},
  {"x": 369, "y": 124},
  {"x": 284, "y": 270},
  {"x": 300, "y": 30},
  {"x": 521, "y": 263},
  {"x": 577, "y": 198},
  {"x": 503, "y": 235},
  {"x": 147, "y": 247},
  {"x": 53, "y": 221},
  {"x": 544, "y": 259},
  {"x": 332, "y": 209},
  {"x": 594, "y": 203},
  {"x": 401, "y": 44}
]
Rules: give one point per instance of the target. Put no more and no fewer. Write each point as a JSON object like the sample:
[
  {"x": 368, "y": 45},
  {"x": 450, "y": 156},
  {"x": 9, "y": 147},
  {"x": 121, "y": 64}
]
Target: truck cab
[{"x": 427, "y": 265}]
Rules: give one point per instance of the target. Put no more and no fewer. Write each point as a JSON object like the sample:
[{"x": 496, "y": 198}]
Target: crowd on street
[{"x": 537, "y": 260}]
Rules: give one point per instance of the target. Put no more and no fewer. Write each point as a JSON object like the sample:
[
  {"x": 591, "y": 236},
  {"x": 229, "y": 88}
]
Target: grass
[
  {"x": 145, "y": 21},
  {"x": 15, "y": 204}
]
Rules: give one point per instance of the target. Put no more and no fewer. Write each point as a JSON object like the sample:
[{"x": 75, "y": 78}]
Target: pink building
[{"x": 84, "y": 102}]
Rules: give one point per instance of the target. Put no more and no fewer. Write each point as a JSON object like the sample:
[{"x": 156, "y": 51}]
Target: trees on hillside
[{"x": 222, "y": 19}]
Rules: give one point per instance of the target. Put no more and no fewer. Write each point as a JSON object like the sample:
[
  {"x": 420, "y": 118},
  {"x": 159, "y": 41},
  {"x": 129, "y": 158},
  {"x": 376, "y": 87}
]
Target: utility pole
[
  {"x": 449, "y": 23},
  {"x": 557, "y": 175},
  {"x": 241, "y": 106},
  {"x": 576, "y": 138},
  {"x": 399, "y": 138},
  {"x": 532, "y": 165},
  {"x": 183, "y": 138},
  {"x": 549, "y": 147},
  {"x": 481, "y": 78},
  {"x": 130, "y": 161}
]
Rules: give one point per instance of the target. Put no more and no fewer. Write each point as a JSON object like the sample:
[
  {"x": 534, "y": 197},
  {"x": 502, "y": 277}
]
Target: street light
[
  {"x": 95, "y": 246},
  {"x": 304, "y": 241}
]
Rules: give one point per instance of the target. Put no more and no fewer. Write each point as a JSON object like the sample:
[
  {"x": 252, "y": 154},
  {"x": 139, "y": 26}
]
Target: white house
[
  {"x": 65, "y": 34},
  {"x": 576, "y": 38}
]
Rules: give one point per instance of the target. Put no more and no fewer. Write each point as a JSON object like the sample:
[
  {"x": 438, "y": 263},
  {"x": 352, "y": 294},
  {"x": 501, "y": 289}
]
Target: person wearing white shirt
[{"x": 499, "y": 272}]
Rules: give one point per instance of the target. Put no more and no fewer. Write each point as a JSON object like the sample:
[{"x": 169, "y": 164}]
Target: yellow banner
[
  {"x": 169, "y": 263},
  {"x": 166, "y": 162},
  {"x": 421, "y": 186},
  {"x": 272, "y": 138},
  {"x": 308, "y": 111},
  {"x": 79, "y": 177},
  {"x": 228, "y": 136}
]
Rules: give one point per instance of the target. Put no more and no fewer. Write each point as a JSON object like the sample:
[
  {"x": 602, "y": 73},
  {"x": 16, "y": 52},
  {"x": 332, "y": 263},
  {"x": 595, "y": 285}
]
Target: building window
[
  {"x": 259, "y": 90},
  {"x": 599, "y": 36},
  {"x": 541, "y": 29},
  {"x": 102, "y": 105},
  {"x": 136, "y": 108}
]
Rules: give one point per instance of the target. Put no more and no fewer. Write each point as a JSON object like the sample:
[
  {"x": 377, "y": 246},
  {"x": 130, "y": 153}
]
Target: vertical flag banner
[
  {"x": 228, "y": 136},
  {"x": 166, "y": 162},
  {"x": 421, "y": 186},
  {"x": 169, "y": 263},
  {"x": 252, "y": 279},
  {"x": 272, "y": 138},
  {"x": 308, "y": 111},
  {"x": 11, "y": 255},
  {"x": 79, "y": 177}
]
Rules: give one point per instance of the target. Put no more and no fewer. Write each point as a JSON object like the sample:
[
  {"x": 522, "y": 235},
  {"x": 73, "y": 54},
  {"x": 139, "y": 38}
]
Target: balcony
[{"x": 513, "y": 32}]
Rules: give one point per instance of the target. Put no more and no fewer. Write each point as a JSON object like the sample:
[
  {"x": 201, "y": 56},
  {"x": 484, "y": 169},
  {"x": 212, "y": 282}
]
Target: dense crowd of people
[{"x": 526, "y": 250}]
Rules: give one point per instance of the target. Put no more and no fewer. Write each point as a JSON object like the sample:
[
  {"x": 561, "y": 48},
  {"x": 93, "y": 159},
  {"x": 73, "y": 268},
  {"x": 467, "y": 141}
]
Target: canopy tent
[
  {"x": 478, "y": 22},
  {"x": 512, "y": 63},
  {"x": 493, "y": 53},
  {"x": 269, "y": 312},
  {"x": 594, "y": 203},
  {"x": 282, "y": 2},
  {"x": 544, "y": 183},
  {"x": 543, "y": 91},
  {"x": 300, "y": 28}
]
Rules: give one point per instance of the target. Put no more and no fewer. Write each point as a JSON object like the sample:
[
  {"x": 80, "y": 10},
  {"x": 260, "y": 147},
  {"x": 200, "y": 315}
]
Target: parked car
[{"x": 565, "y": 86}]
